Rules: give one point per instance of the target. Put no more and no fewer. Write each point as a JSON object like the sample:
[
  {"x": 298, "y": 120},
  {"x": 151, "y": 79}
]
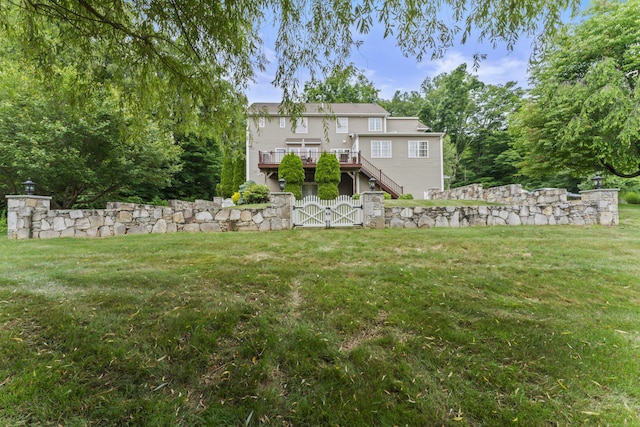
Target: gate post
[
  {"x": 327, "y": 216},
  {"x": 283, "y": 204},
  {"x": 24, "y": 215},
  {"x": 372, "y": 209}
]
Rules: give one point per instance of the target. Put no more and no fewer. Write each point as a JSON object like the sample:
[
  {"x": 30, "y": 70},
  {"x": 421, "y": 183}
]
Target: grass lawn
[{"x": 477, "y": 326}]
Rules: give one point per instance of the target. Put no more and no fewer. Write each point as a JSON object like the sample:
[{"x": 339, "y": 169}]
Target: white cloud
[{"x": 493, "y": 70}]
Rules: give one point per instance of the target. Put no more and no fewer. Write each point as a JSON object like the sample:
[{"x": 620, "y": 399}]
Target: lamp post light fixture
[
  {"x": 597, "y": 181},
  {"x": 282, "y": 182},
  {"x": 372, "y": 183},
  {"x": 29, "y": 187}
]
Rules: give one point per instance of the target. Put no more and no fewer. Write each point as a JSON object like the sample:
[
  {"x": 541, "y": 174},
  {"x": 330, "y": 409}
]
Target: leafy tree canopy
[
  {"x": 474, "y": 115},
  {"x": 343, "y": 85},
  {"x": 584, "y": 112},
  {"x": 189, "y": 59},
  {"x": 404, "y": 104},
  {"x": 75, "y": 152}
]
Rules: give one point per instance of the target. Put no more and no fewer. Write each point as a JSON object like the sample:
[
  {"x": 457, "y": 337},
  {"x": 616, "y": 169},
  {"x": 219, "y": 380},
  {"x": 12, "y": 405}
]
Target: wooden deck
[{"x": 270, "y": 160}]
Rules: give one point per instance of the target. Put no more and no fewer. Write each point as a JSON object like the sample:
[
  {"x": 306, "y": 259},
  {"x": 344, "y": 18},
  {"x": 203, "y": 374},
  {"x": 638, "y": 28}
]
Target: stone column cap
[{"x": 26, "y": 196}]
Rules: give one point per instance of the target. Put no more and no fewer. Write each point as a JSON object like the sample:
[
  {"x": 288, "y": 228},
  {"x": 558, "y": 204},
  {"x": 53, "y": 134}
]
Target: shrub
[
  {"x": 235, "y": 198},
  {"x": 407, "y": 196},
  {"x": 632, "y": 198},
  {"x": 292, "y": 171},
  {"x": 356, "y": 196},
  {"x": 256, "y": 193},
  {"x": 328, "y": 176},
  {"x": 387, "y": 196},
  {"x": 158, "y": 201},
  {"x": 3, "y": 222}
]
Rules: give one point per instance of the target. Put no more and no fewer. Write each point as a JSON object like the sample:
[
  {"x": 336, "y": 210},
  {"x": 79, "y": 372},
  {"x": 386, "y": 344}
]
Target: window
[
  {"x": 381, "y": 149},
  {"x": 375, "y": 124},
  {"x": 302, "y": 125},
  {"x": 262, "y": 122},
  {"x": 342, "y": 125},
  {"x": 418, "y": 149},
  {"x": 283, "y": 122},
  {"x": 342, "y": 154}
]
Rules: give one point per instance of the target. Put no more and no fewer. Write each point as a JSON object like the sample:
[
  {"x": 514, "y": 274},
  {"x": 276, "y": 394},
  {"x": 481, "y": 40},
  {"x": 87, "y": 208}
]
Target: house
[{"x": 399, "y": 152}]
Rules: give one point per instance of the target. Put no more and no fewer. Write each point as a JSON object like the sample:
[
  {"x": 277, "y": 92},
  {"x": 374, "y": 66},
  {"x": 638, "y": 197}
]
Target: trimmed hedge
[
  {"x": 292, "y": 171},
  {"x": 328, "y": 176}
]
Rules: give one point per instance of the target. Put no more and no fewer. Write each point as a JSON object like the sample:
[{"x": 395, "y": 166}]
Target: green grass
[{"x": 475, "y": 326}]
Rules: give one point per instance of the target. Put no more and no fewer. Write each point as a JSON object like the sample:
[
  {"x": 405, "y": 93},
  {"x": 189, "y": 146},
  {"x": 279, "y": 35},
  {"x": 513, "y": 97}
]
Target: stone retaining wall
[
  {"x": 548, "y": 206},
  {"x": 30, "y": 217},
  {"x": 506, "y": 194}
]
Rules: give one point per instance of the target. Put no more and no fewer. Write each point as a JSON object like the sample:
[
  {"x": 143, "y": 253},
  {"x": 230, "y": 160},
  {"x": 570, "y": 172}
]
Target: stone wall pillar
[
  {"x": 25, "y": 214},
  {"x": 372, "y": 209},
  {"x": 605, "y": 202},
  {"x": 283, "y": 204}
]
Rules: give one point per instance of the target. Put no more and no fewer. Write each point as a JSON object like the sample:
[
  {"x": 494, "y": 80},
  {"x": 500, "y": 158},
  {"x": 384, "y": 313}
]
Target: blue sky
[{"x": 383, "y": 63}]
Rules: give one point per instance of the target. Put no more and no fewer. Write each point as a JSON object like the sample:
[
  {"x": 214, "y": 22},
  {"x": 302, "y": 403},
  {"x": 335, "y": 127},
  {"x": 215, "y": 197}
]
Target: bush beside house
[
  {"x": 292, "y": 171},
  {"x": 328, "y": 176}
]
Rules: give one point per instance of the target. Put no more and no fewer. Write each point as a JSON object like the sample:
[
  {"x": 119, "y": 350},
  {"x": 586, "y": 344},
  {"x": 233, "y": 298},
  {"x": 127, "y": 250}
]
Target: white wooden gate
[{"x": 341, "y": 212}]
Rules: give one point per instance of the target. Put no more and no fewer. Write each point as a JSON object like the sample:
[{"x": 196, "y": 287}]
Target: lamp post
[
  {"x": 29, "y": 187},
  {"x": 372, "y": 183},
  {"x": 597, "y": 181},
  {"x": 282, "y": 182}
]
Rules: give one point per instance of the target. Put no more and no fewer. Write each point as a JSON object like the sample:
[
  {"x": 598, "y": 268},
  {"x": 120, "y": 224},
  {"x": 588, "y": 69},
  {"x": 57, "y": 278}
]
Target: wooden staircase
[{"x": 383, "y": 181}]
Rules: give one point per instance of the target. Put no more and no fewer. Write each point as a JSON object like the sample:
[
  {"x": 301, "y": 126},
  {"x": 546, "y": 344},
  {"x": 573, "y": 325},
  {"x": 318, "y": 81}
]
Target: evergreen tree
[
  {"x": 292, "y": 171},
  {"x": 226, "y": 178},
  {"x": 239, "y": 172},
  {"x": 201, "y": 167},
  {"x": 328, "y": 176}
]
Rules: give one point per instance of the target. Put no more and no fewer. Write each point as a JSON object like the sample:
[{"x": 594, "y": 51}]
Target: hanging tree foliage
[{"x": 200, "y": 54}]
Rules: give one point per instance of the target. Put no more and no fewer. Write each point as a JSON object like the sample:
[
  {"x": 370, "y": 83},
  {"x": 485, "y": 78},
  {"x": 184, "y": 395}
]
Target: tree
[
  {"x": 474, "y": 115},
  {"x": 328, "y": 176},
  {"x": 198, "y": 55},
  {"x": 239, "y": 171},
  {"x": 404, "y": 104},
  {"x": 75, "y": 151},
  {"x": 342, "y": 85},
  {"x": 292, "y": 170},
  {"x": 583, "y": 115},
  {"x": 226, "y": 177},
  {"x": 484, "y": 160},
  {"x": 201, "y": 161},
  {"x": 448, "y": 106}
]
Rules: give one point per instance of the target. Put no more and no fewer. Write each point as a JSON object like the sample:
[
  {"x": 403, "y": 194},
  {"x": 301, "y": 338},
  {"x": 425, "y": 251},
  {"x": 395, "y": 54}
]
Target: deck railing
[
  {"x": 384, "y": 181},
  {"x": 308, "y": 157}
]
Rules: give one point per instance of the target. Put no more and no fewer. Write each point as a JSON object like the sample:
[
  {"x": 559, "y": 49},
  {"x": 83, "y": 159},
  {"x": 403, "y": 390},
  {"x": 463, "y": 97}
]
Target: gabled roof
[{"x": 322, "y": 109}]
